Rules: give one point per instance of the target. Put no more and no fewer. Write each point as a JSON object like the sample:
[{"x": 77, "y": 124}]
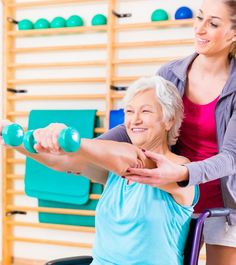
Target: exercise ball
[
  {"x": 41, "y": 23},
  {"x": 58, "y": 22},
  {"x": 25, "y": 24},
  {"x": 74, "y": 21},
  {"x": 99, "y": 19},
  {"x": 159, "y": 15},
  {"x": 183, "y": 12}
]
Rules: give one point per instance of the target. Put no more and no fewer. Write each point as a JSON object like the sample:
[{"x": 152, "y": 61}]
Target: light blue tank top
[{"x": 138, "y": 224}]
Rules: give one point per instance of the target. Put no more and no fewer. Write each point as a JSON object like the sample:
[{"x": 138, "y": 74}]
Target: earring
[{"x": 234, "y": 39}]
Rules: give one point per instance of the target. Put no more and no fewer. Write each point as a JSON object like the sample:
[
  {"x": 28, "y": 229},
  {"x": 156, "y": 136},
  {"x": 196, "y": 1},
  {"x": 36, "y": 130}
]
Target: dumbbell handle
[
  {"x": 13, "y": 134},
  {"x": 68, "y": 140}
]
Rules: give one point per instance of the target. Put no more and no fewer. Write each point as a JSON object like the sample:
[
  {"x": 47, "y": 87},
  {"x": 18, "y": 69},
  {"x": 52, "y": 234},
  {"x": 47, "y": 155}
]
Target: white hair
[{"x": 168, "y": 97}]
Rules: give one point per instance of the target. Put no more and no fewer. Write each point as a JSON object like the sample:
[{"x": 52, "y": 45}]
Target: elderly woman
[{"x": 135, "y": 223}]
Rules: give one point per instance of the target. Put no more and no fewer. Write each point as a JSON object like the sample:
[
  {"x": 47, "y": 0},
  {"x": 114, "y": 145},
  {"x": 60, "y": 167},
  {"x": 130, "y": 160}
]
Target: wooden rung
[
  {"x": 50, "y": 210},
  {"x": 15, "y": 192},
  {"x": 53, "y": 226},
  {"x": 68, "y": 48},
  {"x": 146, "y": 44},
  {"x": 57, "y": 80},
  {"x": 21, "y": 192},
  {"x": 145, "y": 60},
  {"x": 49, "y": 242},
  {"x": 103, "y": 46},
  {"x": 56, "y": 31},
  {"x": 100, "y": 130},
  {"x": 15, "y": 161},
  {"x": 56, "y": 97},
  {"x": 124, "y": 78},
  {"x": 57, "y": 64},
  {"x": 26, "y": 113},
  {"x": 20, "y": 177},
  {"x": 17, "y": 113},
  {"x": 96, "y": 130},
  {"x": 15, "y": 177},
  {"x": 119, "y": 95},
  {"x": 94, "y": 196},
  {"x": 100, "y": 113},
  {"x": 46, "y": 3},
  {"x": 95, "y": 63},
  {"x": 158, "y": 24}
]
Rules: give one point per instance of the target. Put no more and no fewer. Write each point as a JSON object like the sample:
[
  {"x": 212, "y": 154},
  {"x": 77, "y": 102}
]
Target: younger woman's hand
[{"x": 165, "y": 171}]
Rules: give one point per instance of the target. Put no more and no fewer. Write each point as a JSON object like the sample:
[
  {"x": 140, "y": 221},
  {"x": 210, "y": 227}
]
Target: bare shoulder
[{"x": 180, "y": 160}]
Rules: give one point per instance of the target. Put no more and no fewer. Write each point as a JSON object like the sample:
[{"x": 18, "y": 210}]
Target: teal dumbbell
[
  {"x": 69, "y": 140},
  {"x": 13, "y": 134}
]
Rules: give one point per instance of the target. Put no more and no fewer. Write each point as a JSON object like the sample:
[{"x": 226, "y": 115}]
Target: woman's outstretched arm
[{"x": 94, "y": 158}]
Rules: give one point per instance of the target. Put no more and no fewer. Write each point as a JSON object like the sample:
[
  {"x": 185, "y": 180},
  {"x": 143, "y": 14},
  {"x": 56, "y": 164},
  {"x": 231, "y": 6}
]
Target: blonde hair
[
  {"x": 231, "y": 5},
  {"x": 169, "y": 98}
]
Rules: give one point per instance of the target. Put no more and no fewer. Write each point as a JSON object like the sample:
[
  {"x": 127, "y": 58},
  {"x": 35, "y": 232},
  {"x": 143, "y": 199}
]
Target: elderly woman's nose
[{"x": 136, "y": 118}]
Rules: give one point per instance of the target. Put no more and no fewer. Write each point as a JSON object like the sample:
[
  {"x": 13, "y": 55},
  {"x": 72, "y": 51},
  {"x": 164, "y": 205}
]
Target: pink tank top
[{"x": 197, "y": 141}]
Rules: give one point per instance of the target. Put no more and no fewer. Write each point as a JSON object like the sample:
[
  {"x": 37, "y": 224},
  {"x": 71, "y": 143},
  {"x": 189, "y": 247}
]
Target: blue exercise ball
[{"x": 183, "y": 12}]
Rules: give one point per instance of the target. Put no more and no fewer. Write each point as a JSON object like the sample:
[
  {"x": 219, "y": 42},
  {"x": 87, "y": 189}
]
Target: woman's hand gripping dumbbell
[
  {"x": 55, "y": 138},
  {"x": 52, "y": 138}
]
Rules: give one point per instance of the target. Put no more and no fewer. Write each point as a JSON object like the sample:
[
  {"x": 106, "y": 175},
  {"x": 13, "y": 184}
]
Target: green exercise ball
[
  {"x": 99, "y": 19},
  {"x": 41, "y": 23},
  {"x": 74, "y": 21},
  {"x": 159, "y": 15},
  {"x": 25, "y": 24},
  {"x": 58, "y": 22}
]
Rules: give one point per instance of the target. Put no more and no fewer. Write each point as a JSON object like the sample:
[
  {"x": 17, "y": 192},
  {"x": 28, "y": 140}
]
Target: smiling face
[
  {"x": 213, "y": 28},
  {"x": 144, "y": 120}
]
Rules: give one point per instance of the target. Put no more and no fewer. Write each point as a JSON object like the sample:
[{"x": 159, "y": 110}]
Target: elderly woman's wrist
[{"x": 183, "y": 178}]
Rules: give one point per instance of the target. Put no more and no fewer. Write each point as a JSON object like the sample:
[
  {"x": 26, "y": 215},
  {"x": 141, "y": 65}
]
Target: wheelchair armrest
[
  {"x": 79, "y": 260},
  {"x": 217, "y": 212}
]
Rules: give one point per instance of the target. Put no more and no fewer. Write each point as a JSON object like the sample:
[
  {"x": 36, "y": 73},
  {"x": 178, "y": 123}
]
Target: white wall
[{"x": 141, "y": 10}]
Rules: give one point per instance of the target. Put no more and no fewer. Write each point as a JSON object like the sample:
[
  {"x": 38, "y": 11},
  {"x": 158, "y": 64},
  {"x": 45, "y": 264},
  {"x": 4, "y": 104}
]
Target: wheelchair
[{"x": 192, "y": 247}]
